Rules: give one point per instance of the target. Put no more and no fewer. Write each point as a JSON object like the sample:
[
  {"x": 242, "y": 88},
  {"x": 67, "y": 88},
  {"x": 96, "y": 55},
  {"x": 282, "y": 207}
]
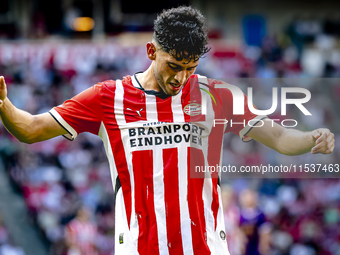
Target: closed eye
[
  {"x": 180, "y": 68},
  {"x": 174, "y": 67}
]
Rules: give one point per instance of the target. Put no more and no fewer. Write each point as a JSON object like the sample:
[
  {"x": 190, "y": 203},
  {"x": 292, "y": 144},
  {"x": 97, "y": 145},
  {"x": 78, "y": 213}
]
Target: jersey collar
[{"x": 137, "y": 85}]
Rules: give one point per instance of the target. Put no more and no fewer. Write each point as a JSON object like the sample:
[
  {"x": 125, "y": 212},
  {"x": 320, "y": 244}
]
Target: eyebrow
[{"x": 180, "y": 65}]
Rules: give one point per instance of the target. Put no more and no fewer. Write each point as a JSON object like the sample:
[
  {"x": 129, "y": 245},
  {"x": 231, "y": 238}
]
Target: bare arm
[
  {"x": 291, "y": 141},
  {"x": 264, "y": 243},
  {"x": 25, "y": 127}
]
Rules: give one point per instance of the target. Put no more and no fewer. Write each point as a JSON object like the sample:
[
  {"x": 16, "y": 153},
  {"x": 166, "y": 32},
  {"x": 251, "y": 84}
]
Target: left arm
[{"x": 291, "y": 141}]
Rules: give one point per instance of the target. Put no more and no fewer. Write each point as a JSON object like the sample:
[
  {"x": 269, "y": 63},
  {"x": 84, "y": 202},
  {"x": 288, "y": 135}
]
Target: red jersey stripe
[
  {"x": 196, "y": 204},
  {"x": 144, "y": 202},
  {"x": 171, "y": 197},
  {"x": 185, "y": 100},
  {"x": 192, "y": 100},
  {"x": 117, "y": 146},
  {"x": 122, "y": 169},
  {"x": 214, "y": 152},
  {"x": 215, "y": 203},
  {"x": 164, "y": 110},
  {"x": 134, "y": 110}
]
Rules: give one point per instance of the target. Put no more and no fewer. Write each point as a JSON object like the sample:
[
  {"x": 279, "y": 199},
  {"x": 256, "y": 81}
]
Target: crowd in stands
[{"x": 58, "y": 177}]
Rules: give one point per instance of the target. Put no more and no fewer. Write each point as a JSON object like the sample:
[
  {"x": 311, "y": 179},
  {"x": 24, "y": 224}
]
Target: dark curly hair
[{"x": 182, "y": 33}]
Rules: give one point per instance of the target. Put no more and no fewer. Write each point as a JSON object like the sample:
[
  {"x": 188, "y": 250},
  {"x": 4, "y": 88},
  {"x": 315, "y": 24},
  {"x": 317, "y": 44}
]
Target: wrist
[{"x": 2, "y": 104}]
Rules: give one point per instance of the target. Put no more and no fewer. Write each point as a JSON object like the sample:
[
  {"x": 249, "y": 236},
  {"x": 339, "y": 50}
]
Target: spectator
[
  {"x": 253, "y": 224},
  {"x": 81, "y": 234},
  {"x": 231, "y": 212}
]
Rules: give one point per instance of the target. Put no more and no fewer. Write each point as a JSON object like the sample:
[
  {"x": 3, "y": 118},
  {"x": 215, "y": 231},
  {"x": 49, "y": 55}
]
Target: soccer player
[{"x": 155, "y": 133}]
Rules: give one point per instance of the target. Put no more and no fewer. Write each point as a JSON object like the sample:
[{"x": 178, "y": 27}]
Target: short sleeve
[
  {"x": 237, "y": 124},
  {"x": 82, "y": 113}
]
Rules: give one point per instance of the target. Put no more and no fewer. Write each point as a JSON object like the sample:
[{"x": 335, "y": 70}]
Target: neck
[{"x": 148, "y": 80}]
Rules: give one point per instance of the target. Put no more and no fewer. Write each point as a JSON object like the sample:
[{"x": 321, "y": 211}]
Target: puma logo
[{"x": 138, "y": 112}]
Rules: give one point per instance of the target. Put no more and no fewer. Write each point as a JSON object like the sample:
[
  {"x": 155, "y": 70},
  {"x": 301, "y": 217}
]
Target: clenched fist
[{"x": 324, "y": 141}]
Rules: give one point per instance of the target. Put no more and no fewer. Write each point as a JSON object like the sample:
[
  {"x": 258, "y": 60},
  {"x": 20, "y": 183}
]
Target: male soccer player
[{"x": 155, "y": 133}]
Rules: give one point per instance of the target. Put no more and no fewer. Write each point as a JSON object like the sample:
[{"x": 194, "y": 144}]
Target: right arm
[{"x": 25, "y": 127}]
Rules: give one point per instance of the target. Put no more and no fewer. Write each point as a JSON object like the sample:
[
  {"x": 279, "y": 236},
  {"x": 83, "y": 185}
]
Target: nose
[{"x": 182, "y": 76}]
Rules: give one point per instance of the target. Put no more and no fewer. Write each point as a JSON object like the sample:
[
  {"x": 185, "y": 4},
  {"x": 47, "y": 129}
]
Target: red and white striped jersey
[
  {"x": 82, "y": 235},
  {"x": 153, "y": 146}
]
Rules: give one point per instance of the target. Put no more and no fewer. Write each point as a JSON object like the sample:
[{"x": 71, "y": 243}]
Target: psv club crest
[{"x": 192, "y": 109}]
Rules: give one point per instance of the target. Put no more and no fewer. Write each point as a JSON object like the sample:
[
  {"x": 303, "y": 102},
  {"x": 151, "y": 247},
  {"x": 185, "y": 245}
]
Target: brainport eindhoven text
[
  {"x": 166, "y": 134},
  {"x": 144, "y": 136}
]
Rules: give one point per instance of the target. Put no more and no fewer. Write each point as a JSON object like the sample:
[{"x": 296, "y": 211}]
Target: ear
[{"x": 151, "y": 50}]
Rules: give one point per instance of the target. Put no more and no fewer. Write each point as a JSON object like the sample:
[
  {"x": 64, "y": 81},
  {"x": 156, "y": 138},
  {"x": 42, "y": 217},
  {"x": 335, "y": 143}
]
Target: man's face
[
  {"x": 171, "y": 75},
  {"x": 82, "y": 215}
]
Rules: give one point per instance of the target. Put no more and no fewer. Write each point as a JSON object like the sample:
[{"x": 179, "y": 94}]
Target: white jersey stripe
[
  {"x": 107, "y": 145},
  {"x": 119, "y": 110},
  {"x": 119, "y": 105},
  {"x": 209, "y": 217},
  {"x": 120, "y": 213},
  {"x": 176, "y": 107},
  {"x": 210, "y": 110},
  {"x": 151, "y": 108},
  {"x": 72, "y": 134},
  {"x": 158, "y": 185},
  {"x": 123, "y": 230},
  {"x": 207, "y": 186},
  {"x": 223, "y": 247},
  {"x": 134, "y": 82},
  {"x": 183, "y": 202}
]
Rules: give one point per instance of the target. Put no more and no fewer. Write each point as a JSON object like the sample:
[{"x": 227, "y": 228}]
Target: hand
[
  {"x": 3, "y": 90},
  {"x": 324, "y": 141}
]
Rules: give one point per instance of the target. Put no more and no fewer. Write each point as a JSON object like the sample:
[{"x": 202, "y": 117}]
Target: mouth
[{"x": 175, "y": 86}]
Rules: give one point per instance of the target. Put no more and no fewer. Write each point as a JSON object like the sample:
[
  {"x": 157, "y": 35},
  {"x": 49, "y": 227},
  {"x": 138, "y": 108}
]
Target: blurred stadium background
[{"x": 52, "y": 50}]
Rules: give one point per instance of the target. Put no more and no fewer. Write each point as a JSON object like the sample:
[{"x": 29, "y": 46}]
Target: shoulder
[
  {"x": 106, "y": 85},
  {"x": 200, "y": 79},
  {"x": 212, "y": 83},
  {"x": 221, "y": 88},
  {"x": 218, "y": 84},
  {"x": 111, "y": 84}
]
